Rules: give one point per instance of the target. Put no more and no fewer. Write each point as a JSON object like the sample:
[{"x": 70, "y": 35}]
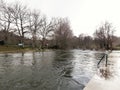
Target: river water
[{"x": 49, "y": 70}]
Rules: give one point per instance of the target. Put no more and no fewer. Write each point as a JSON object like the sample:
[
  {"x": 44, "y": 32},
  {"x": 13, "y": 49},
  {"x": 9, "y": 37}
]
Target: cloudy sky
[{"x": 85, "y": 15}]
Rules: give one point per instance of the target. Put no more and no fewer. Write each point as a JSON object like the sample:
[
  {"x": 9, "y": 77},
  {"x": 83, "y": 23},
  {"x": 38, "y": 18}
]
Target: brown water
[{"x": 50, "y": 70}]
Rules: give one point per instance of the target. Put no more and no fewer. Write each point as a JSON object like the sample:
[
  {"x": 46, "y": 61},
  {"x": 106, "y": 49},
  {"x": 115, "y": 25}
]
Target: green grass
[
  {"x": 14, "y": 49},
  {"x": 116, "y": 48}
]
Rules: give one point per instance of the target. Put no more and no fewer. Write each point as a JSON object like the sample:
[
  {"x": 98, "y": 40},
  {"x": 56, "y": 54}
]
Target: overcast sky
[{"x": 85, "y": 15}]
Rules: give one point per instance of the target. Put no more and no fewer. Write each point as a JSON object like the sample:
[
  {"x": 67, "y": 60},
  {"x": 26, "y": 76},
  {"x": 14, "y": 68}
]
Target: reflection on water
[
  {"x": 111, "y": 71},
  {"x": 108, "y": 77},
  {"x": 105, "y": 73},
  {"x": 51, "y": 70},
  {"x": 104, "y": 70}
]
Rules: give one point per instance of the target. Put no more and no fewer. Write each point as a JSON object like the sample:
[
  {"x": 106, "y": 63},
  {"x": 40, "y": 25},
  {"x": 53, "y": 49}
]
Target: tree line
[{"x": 20, "y": 20}]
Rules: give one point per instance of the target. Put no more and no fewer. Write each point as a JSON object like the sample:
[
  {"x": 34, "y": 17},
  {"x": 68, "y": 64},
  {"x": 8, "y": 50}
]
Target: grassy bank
[
  {"x": 14, "y": 49},
  {"x": 9, "y": 48},
  {"x": 116, "y": 48}
]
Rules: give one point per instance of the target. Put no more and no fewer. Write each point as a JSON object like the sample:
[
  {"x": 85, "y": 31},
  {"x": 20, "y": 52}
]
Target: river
[{"x": 49, "y": 70}]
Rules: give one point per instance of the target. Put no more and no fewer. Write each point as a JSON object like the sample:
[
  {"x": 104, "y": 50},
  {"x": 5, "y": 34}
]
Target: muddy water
[{"x": 50, "y": 70}]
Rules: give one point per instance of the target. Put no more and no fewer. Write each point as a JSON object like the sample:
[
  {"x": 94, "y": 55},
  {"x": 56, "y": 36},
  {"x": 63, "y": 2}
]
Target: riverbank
[
  {"x": 14, "y": 49},
  {"x": 4, "y": 49}
]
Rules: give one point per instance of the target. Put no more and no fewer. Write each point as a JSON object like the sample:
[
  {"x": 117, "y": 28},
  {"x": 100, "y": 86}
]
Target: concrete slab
[{"x": 107, "y": 78}]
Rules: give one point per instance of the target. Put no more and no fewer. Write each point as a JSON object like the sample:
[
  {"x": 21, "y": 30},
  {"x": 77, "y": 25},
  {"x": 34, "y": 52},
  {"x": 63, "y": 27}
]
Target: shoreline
[{"x": 14, "y": 49}]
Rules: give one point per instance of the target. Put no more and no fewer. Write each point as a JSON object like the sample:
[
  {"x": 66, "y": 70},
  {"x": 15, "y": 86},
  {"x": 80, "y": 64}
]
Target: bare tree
[
  {"x": 104, "y": 35},
  {"x": 80, "y": 41},
  {"x": 35, "y": 24},
  {"x": 20, "y": 15},
  {"x": 46, "y": 31},
  {"x": 85, "y": 41},
  {"x": 5, "y": 19},
  {"x": 63, "y": 34},
  {"x": 74, "y": 42}
]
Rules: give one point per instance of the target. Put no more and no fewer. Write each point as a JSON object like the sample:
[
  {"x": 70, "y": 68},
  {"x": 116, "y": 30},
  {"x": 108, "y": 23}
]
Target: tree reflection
[
  {"x": 105, "y": 73},
  {"x": 34, "y": 59},
  {"x": 67, "y": 72},
  {"x": 7, "y": 63},
  {"x": 63, "y": 62},
  {"x": 22, "y": 58}
]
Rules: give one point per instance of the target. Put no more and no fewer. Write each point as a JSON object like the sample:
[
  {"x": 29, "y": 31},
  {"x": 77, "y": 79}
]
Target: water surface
[{"x": 50, "y": 70}]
